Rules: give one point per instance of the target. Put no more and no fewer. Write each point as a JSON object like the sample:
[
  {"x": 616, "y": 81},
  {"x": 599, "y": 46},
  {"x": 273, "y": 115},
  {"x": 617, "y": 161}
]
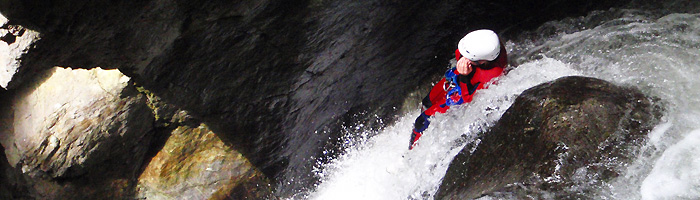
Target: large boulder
[
  {"x": 195, "y": 164},
  {"x": 571, "y": 131},
  {"x": 77, "y": 130}
]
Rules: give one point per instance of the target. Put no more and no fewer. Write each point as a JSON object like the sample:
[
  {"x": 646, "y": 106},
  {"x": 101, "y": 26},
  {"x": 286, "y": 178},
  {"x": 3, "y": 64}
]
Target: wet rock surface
[{"x": 574, "y": 131}]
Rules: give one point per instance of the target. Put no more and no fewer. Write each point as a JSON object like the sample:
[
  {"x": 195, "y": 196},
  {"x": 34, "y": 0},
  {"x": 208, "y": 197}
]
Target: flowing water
[{"x": 655, "y": 51}]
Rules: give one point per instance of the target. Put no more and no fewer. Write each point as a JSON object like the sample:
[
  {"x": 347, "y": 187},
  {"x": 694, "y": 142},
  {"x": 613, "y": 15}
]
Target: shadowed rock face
[
  {"x": 273, "y": 78},
  {"x": 553, "y": 135},
  {"x": 12, "y": 186}
]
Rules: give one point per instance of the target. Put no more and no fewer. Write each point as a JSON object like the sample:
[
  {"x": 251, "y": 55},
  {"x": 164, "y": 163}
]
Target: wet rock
[
  {"x": 77, "y": 133},
  {"x": 195, "y": 164},
  {"x": 574, "y": 131}
]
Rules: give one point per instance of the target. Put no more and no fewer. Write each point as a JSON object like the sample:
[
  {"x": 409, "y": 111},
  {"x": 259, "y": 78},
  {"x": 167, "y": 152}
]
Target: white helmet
[{"x": 480, "y": 45}]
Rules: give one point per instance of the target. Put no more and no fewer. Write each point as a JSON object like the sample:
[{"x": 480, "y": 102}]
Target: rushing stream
[{"x": 655, "y": 51}]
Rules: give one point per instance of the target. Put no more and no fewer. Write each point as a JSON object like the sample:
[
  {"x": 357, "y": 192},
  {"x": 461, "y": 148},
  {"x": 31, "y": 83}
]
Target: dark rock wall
[
  {"x": 11, "y": 184},
  {"x": 275, "y": 78}
]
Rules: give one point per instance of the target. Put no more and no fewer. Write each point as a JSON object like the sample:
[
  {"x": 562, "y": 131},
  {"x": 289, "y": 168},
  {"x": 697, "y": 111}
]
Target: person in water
[{"x": 480, "y": 57}]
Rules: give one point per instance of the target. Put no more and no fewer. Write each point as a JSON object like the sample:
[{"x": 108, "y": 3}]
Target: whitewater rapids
[{"x": 656, "y": 53}]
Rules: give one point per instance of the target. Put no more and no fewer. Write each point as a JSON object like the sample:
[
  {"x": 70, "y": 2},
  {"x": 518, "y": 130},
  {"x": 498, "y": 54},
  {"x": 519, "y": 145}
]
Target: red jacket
[{"x": 435, "y": 101}]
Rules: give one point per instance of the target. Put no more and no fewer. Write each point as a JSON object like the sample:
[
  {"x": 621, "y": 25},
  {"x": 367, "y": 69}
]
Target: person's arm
[{"x": 478, "y": 77}]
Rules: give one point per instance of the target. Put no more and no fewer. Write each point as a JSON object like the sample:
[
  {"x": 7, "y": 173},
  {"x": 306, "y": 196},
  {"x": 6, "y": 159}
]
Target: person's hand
[{"x": 464, "y": 66}]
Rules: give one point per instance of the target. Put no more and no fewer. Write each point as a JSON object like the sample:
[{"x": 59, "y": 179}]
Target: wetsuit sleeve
[{"x": 435, "y": 95}]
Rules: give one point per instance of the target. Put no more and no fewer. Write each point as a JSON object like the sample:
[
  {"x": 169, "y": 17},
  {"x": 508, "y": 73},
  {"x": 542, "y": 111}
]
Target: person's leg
[{"x": 420, "y": 125}]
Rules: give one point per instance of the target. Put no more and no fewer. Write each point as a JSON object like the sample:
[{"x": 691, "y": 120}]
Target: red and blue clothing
[{"x": 437, "y": 101}]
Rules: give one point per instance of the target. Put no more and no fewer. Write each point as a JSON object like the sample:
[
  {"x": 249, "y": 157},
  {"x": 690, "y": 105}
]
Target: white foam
[{"x": 675, "y": 174}]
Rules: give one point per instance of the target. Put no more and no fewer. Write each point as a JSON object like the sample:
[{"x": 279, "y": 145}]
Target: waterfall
[{"x": 657, "y": 52}]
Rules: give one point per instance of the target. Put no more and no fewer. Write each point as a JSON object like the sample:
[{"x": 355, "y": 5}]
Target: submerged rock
[{"x": 571, "y": 132}]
